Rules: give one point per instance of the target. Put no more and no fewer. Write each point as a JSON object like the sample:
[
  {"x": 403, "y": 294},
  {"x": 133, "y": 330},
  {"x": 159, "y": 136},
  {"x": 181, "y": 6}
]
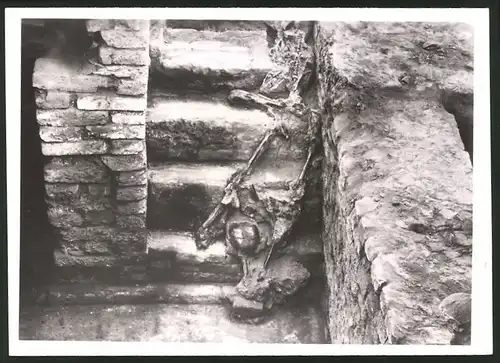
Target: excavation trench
[{"x": 388, "y": 157}]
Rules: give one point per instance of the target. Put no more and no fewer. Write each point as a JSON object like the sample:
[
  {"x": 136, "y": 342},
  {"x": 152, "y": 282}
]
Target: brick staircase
[{"x": 195, "y": 141}]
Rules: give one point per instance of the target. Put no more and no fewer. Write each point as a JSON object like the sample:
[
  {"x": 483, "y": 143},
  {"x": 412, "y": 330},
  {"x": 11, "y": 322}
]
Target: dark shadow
[
  {"x": 36, "y": 244},
  {"x": 67, "y": 38},
  {"x": 182, "y": 209},
  {"x": 460, "y": 105}
]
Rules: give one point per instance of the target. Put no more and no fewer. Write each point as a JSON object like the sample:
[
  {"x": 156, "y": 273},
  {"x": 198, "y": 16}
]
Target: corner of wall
[{"x": 91, "y": 112}]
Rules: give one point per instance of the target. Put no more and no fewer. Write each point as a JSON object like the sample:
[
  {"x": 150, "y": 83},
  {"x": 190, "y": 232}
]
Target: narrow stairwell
[{"x": 195, "y": 141}]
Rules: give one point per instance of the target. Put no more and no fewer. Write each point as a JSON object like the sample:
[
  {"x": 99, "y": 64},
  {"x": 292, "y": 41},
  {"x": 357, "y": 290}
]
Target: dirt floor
[{"x": 168, "y": 323}]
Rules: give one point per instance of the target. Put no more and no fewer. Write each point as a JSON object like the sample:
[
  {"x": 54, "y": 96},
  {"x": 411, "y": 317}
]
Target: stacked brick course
[{"x": 92, "y": 129}]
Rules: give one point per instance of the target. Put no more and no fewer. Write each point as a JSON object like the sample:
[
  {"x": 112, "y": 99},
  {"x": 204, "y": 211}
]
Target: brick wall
[
  {"x": 397, "y": 183},
  {"x": 92, "y": 128}
]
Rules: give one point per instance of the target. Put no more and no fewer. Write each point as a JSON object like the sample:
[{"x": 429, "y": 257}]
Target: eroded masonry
[{"x": 255, "y": 164}]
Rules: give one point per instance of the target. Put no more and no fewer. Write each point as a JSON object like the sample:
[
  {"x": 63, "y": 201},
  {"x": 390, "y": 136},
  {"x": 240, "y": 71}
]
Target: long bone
[
  {"x": 202, "y": 236},
  {"x": 298, "y": 184},
  {"x": 242, "y": 98}
]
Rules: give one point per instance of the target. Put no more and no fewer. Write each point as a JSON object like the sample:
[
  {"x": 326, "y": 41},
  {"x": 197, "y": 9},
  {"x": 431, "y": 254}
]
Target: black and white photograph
[{"x": 305, "y": 181}]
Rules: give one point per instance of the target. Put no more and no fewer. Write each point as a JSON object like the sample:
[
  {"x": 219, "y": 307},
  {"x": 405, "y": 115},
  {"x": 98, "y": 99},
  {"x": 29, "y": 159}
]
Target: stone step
[
  {"x": 192, "y": 59},
  {"x": 182, "y": 195},
  {"x": 174, "y": 256},
  {"x": 92, "y": 293},
  {"x": 200, "y": 323},
  {"x": 216, "y": 25},
  {"x": 194, "y": 129},
  {"x": 100, "y": 269}
]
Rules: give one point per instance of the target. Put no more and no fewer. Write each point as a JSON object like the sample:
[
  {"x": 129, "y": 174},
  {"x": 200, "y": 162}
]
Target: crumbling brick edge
[{"x": 91, "y": 115}]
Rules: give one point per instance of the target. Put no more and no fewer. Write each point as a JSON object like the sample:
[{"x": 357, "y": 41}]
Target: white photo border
[{"x": 482, "y": 322}]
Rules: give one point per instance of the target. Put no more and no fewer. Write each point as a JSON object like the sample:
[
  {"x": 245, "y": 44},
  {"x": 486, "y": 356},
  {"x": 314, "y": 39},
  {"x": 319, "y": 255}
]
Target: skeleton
[
  {"x": 292, "y": 51},
  {"x": 249, "y": 227},
  {"x": 247, "y": 239},
  {"x": 251, "y": 233},
  {"x": 205, "y": 235},
  {"x": 290, "y": 208}
]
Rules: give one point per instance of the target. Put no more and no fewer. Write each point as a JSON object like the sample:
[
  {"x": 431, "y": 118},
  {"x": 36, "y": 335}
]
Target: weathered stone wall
[
  {"x": 91, "y": 114},
  {"x": 397, "y": 181}
]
